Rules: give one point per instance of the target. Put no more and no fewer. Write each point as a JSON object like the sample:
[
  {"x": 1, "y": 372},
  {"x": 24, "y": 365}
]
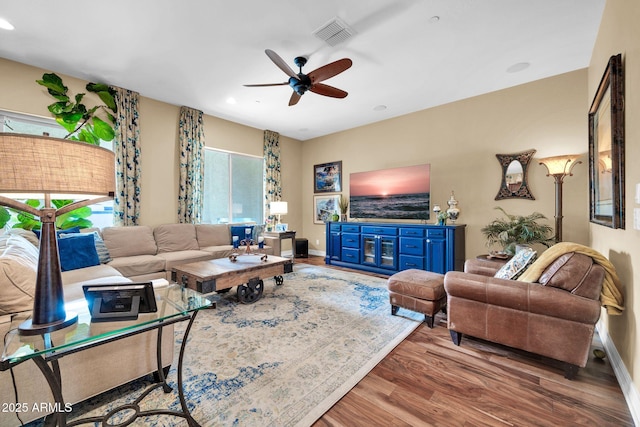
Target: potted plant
[
  {"x": 343, "y": 205},
  {"x": 518, "y": 230}
]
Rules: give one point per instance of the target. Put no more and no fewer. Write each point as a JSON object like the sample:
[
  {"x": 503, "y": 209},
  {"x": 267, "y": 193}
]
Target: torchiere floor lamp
[{"x": 559, "y": 167}]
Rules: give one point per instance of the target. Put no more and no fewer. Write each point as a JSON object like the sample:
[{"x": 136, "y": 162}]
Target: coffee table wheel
[
  {"x": 251, "y": 292},
  {"x": 279, "y": 280}
]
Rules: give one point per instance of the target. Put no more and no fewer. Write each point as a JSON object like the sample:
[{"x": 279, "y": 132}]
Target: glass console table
[{"x": 175, "y": 304}]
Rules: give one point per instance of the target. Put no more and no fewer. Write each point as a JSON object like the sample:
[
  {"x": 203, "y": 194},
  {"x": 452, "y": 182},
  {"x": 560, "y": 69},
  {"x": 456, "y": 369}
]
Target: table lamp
[
  {"x": 39, "y": 167},
  {"x": 278, "y": 208},
  {"x": 558, "y": 167}
]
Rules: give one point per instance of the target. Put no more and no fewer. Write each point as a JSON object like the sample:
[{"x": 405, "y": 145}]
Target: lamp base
[{"x": 29, "y": 328}]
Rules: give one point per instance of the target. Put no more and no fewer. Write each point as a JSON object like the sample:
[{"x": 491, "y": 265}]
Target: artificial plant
[{"x": 518, "y": 230}]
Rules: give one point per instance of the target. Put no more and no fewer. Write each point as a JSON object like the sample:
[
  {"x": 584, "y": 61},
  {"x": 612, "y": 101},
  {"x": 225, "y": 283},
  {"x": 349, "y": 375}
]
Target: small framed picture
[
  {"x": 282, "y": 227},
  {"x": 324, "y": 207},
  {"x": 327, "y": 177}
]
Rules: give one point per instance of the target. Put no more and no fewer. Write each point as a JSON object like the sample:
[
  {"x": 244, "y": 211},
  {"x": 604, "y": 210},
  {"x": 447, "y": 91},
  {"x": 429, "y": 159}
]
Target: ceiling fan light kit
[{"x": 300, "y": 82}]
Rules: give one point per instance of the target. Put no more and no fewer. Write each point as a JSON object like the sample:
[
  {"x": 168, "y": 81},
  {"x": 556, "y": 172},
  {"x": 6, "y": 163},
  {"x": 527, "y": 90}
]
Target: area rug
[{"x": 282, "y": 361}]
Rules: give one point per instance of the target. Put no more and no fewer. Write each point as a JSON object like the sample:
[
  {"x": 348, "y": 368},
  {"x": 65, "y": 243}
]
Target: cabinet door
[
  {"x": 369, "y": 249},
  {"x": 436, "y": 255},
  {"x": 335, "y": 245},
  {"x": 388, "y": 252}
]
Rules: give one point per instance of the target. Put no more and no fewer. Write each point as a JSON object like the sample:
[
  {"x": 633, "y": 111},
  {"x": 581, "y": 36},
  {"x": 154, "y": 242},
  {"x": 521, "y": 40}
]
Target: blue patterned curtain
[
  {"x": 191, "y": 139},
  {"x": 272, "y": 179},
  {"x": 126, "y": 204}
]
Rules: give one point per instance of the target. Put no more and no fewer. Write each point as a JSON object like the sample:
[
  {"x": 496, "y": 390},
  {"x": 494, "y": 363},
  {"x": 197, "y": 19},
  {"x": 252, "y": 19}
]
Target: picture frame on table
[
  {"x": 327, "y": 177},
  {"x": 324, "y": 207},
  {"x": 282, "y": 227},
  {"x": 606, "y": 148}
]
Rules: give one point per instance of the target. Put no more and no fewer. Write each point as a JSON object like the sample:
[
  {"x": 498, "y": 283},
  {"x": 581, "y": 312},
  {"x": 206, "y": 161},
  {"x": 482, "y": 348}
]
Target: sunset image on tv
[{"x": 398, "y": 193}]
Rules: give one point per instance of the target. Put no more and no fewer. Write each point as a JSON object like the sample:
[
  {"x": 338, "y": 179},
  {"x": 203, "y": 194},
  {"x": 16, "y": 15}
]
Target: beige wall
[
  {"x": 460, "y": 141},
  {"x": 620, "y": 33}
]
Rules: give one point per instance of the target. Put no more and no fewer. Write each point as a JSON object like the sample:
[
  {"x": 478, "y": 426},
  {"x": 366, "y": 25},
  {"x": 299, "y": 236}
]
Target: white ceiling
[{"x": 199, "y": 53}]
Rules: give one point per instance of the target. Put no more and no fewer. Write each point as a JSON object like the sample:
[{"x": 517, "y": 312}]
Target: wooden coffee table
[{"x": 246, "y": 272}]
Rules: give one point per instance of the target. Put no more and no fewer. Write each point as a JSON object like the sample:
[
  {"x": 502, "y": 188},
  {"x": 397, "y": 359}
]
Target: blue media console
[{"x": 387, "y": 248}]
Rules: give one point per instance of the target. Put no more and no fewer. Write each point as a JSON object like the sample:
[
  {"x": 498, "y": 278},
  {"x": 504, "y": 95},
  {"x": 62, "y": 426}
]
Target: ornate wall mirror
[
  {"x": 606, "y": 148},
  {"x": 514, "y": 175}
]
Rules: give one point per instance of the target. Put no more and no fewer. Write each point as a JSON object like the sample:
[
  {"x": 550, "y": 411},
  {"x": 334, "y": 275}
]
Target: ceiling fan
[{"x": 300, "y": 83}]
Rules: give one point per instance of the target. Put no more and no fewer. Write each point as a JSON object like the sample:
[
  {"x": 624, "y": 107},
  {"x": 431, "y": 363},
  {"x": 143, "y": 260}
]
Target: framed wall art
[
  {"x": 324, "y": 207},
  {"x": 327, "y": 177},
  {"x": 606, "y": 148}
]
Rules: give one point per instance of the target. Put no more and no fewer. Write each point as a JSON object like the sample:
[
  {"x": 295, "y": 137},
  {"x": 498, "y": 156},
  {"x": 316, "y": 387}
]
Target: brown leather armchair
[{"x": 554, "y": 317}]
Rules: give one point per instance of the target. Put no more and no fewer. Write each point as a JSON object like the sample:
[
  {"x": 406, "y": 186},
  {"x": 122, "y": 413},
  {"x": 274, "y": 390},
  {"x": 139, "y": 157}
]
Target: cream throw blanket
[{"x": 611, "y": 295}]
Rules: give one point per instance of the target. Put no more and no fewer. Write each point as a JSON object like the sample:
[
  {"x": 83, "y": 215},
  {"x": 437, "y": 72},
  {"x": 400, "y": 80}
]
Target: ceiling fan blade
[
  {"x": 326, "y": 90},
  {"x": 267, "y": 84},
  {"x": 280, "y": 63},
  {"x": 295, "y": 97},
  {"x": 327, "y": 71}
]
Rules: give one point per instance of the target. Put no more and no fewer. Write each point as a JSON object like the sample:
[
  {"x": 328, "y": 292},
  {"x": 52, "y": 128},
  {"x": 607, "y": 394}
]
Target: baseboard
[
  {"x": 622, "y": 374},
  {"x": 317, "y": 252}
]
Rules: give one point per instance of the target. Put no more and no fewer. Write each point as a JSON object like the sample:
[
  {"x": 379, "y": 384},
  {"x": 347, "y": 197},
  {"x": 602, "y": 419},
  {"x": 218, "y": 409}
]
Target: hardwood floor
[{"x": 428, "y": 381}]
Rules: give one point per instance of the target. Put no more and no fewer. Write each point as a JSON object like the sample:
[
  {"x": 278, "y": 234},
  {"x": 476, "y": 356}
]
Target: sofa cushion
[
  {"x": 183, "y": 257},
  {"x": 175, "y": 237},
  {"x": 575, "y": 273},
  {"x": 213, "y": 235},
  {"x": 129, "y": 241},
  {"x": 27, "y": 234},
  {"x": 137, "y": 265},
  {"x": 517, "y": 265},
  {"x": 18, "y": 266},
  {"x": 77, "y": 250},
  {"x": 86, "y": 274}
]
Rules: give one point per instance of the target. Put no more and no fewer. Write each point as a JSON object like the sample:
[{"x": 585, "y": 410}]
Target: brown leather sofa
[{"x": 554, "y": 317}]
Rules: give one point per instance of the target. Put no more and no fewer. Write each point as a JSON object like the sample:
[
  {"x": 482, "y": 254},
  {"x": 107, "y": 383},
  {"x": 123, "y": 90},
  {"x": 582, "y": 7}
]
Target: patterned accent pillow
[{"x": 517, "y": 265}]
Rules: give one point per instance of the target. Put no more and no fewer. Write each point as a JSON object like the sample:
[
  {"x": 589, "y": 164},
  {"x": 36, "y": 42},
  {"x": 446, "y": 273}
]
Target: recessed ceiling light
[
  {"x": 231, "y": 100},
  {"x": 5, "y": 25},
  {"x": 379, "y": 108},
  {"x": 518, "y": 67}
]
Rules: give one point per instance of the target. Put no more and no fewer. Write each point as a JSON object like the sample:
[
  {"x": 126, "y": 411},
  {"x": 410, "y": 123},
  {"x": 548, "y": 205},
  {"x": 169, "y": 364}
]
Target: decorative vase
[
  {"x": 343, "y": 217},
  {"x": 453, "y": 212},
  {"x": 335, "y": 217},
  {"x": 436, "y": 211}
]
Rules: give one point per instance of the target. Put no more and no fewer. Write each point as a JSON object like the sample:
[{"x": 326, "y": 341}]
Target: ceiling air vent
[{"x": 334, "y": 32}]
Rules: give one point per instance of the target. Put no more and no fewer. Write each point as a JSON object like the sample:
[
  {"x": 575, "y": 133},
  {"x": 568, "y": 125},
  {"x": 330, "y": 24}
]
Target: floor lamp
[
  {"x": 559, "y": 167},
  {"x": 38, "y": 167},
  {"x": 278, "y": 208}
]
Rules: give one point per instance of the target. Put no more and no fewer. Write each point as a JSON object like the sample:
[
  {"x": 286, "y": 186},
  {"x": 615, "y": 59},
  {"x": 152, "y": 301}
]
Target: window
[
  {"x": 233, "y": 187},
  {"x": 101, "y": 213}
]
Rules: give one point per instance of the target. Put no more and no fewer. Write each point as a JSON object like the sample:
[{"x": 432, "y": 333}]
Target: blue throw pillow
[
  {"x": 67, "y": 231},
  {"x": 239, "y": 231},
  {"x": 77, "y": 251},
  {"x": 101, "y": 248}
]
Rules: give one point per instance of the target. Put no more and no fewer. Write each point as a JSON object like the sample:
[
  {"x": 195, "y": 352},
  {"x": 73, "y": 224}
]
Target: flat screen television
[
  {"x": 397, "y": 193},
  {"x": 121, "y": 301}
]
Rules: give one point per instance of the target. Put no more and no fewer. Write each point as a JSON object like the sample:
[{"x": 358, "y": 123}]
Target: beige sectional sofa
[{"x": 137, "y": 253}]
